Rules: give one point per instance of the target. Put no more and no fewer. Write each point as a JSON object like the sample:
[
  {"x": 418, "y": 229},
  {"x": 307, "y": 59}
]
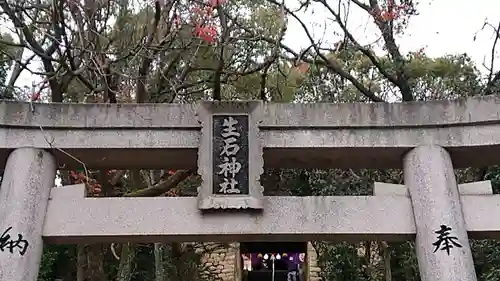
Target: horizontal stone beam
[
  {"x": 477, "y": 110},
  {"x": 356, "y": 135},
  {"x": 71, "y": 218},
  {"x": 471, "y": 188}
]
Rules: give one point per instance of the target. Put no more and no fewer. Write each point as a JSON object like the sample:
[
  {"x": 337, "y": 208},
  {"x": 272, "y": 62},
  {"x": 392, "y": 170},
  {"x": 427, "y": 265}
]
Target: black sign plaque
[{"x": 230, "y": 155}]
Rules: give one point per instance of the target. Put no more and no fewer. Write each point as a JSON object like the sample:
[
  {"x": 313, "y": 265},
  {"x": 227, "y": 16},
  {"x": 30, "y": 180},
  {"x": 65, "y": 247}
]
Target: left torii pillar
[{"x": 24, "y": 194}]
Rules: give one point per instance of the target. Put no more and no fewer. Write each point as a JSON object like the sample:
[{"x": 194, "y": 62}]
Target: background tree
[
  {"x": 6, "y": 52},
  {"x": 186, "y": 50}
]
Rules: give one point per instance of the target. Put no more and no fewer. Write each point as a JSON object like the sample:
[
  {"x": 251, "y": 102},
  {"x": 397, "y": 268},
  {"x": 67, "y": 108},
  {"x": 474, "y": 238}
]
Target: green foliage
[
  {"x": 446, "y": 77},
  {"x": 404, "y": 261},
  {"x": 49, "y": 258},
  {"x": 341, "y": 262},
  {"x": 57, "y": 261},
  {"x": 486, "y": 255}
]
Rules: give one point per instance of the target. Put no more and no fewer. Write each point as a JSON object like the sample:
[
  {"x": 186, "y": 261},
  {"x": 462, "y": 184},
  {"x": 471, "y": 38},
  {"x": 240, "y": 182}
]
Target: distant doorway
[{"x": 273, "y": 261}]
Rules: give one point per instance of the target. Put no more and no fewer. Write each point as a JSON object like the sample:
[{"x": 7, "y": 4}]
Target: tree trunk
[
  {"x": 126, "y": 259},
  {"x": 80, "y": 263},
  {"x": 386, "y": 254},
  {"x": 368, "y": 259},
  {"x": 178, "y": 261},
  {"x": 95, "y": 263},
  {"x": 159, "y": 268}
]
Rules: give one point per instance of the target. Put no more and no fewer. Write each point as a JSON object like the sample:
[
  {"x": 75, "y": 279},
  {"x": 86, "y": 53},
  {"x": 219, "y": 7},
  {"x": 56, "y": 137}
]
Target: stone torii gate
[{"x": 424, "y": 138}]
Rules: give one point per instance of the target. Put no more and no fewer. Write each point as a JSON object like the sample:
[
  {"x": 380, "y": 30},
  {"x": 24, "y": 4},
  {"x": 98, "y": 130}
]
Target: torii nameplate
[{"x": 230, "y": 158}]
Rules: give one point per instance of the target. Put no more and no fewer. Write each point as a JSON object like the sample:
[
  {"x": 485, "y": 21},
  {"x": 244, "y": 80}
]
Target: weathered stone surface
[
  {"x": 24, "y": 194},
  {"x": 471, "y": 188},
  {"x": 354, "y": 135},
  {"x": 312, "y": 268},
  {"x": 438, "y": 215},
  {"x": 477, "y": 110},
  {"x": 70, "y": 219},
  {"x": 221, "y": 262}
]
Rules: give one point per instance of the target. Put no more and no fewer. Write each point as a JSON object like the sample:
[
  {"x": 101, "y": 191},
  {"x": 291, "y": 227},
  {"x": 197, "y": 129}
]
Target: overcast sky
[{"x": 443, "y": 26}]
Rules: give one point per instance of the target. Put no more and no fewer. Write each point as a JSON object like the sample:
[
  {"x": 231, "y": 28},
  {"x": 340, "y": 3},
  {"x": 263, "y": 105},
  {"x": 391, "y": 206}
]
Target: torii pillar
[
  {"x": 29, "y": 175},
  {"x": 442, "y": 244}
]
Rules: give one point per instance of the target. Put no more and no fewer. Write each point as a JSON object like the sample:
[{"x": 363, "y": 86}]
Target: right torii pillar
[{"x": 442, "y": 244}]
